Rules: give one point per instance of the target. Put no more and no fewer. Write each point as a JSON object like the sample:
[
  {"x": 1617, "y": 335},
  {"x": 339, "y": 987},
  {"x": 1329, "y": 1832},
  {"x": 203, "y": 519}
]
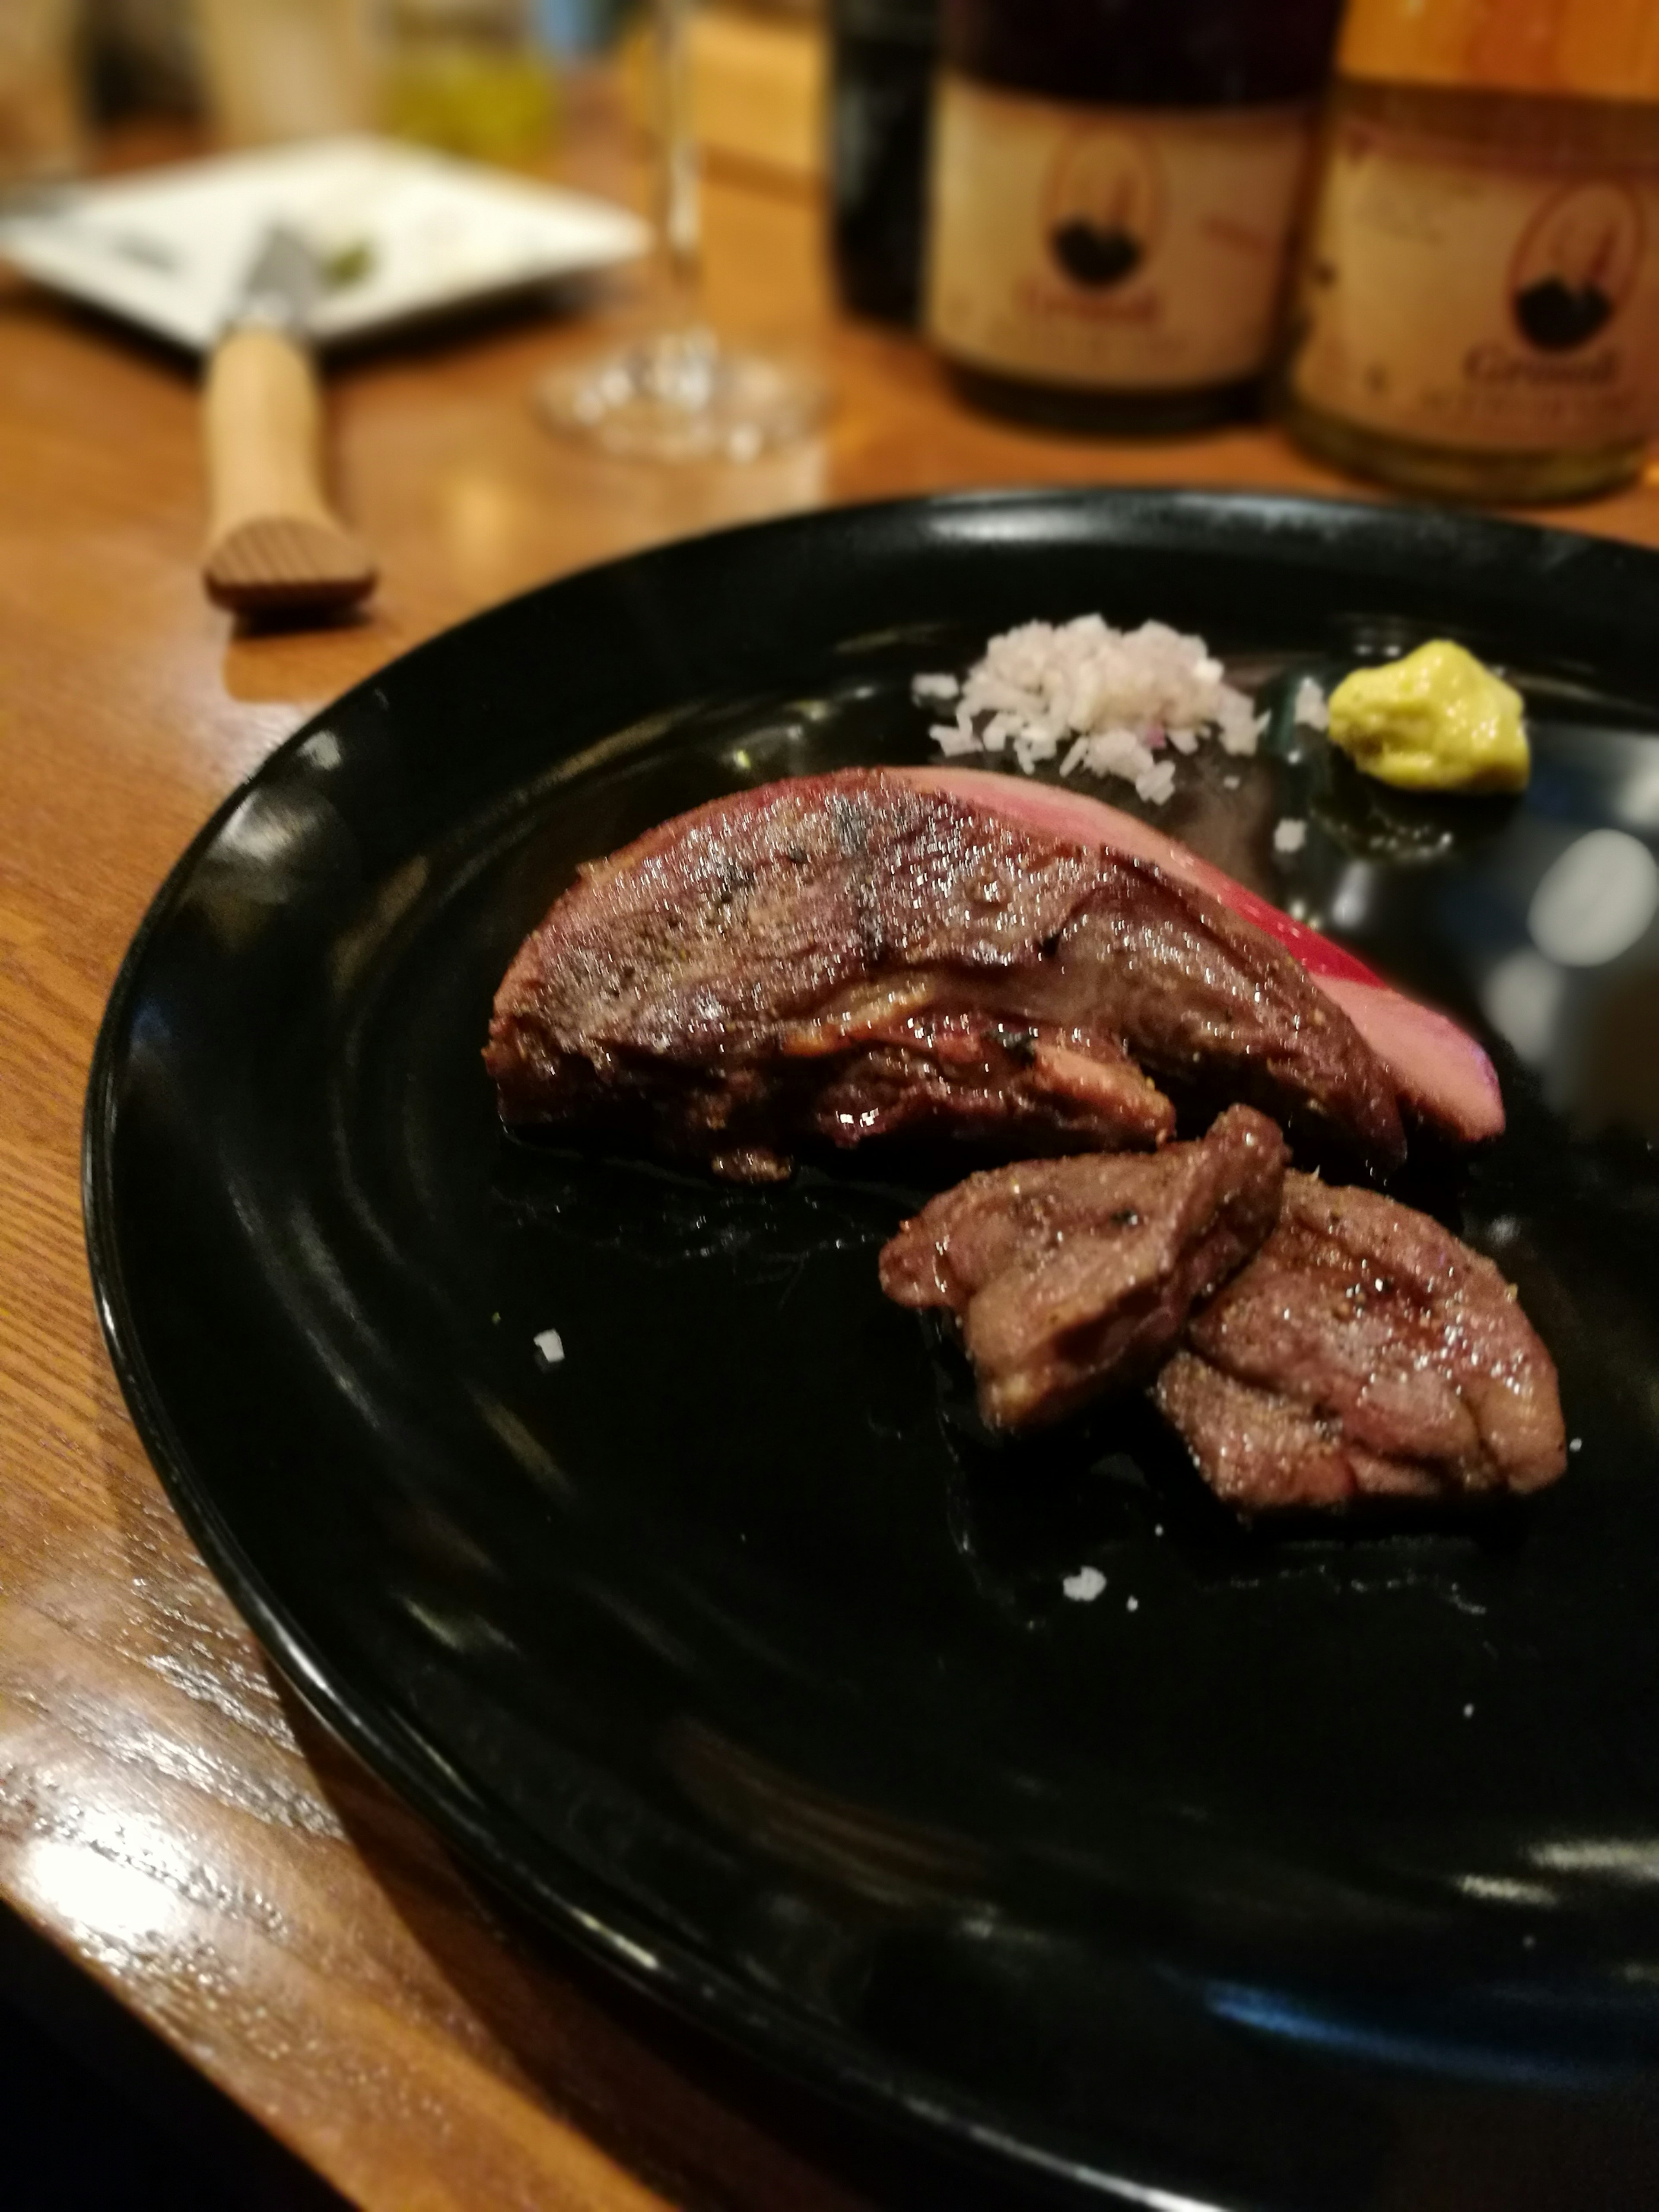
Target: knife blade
[{"x": 275, "y": 542}]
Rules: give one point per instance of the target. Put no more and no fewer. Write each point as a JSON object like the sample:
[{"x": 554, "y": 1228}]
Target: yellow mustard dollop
[{"x": 1437, "y": 720}]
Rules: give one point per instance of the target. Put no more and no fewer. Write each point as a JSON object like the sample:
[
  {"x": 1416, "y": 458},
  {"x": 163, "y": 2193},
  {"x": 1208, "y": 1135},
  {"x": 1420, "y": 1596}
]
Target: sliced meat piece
[
  {"x": 1439, "y": 1070},
  {"x": 1365, "y": 1350},
  {"x": 1071, "y": 1277},
  {"x": 1259, "y": 1450},
  {"x": 846, "y": 956}
]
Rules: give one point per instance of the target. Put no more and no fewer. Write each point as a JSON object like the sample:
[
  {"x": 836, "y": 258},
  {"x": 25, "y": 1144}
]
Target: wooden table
[{"x": 168, "y": 1816}]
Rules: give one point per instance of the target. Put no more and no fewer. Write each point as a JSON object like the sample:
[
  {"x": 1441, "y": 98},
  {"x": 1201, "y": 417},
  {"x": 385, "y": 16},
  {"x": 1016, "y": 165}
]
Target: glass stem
[{"x": 677, "y": 224}]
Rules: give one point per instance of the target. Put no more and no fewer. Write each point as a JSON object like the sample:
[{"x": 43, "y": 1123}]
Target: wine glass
[{"x": 681, "y": 394}]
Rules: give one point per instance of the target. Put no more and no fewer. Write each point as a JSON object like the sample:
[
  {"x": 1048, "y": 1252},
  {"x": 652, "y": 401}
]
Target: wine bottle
[
  {"x": 881, "y": 91},
  {"x": 1477, "y": 312},
  {"x": 1113, "y": 188}
]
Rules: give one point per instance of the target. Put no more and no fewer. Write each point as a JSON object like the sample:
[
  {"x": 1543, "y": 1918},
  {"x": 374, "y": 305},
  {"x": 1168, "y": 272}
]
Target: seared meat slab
[
  {"x": 1073, "y": 1275},
  {"x": 1437, "y": 1069},
  {"x": 1365, "y": 1351},
  {"x": 844, "y": 955}
]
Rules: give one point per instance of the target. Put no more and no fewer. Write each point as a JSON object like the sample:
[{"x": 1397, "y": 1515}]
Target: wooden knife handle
[{"x": 273, "y": 541}]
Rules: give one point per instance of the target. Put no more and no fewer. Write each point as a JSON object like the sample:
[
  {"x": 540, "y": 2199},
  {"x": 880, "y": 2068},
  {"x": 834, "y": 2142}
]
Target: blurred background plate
[
  {"x": 1317, "y": 1870},
  {"x": 401, "y": 232}
]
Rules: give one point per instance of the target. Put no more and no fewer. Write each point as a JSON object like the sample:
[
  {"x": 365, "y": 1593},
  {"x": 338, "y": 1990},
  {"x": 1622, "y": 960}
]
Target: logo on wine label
[
  {"x": 1108, "y": 249},
  {"x": 1102, "y": 205},
  {"x": 1576, "y": 265},
  {"x": 1482, "y": 304}
]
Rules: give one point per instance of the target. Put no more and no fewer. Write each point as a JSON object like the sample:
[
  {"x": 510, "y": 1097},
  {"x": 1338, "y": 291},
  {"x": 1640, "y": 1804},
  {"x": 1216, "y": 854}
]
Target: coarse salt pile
[{"x": 1121, "y": 702}]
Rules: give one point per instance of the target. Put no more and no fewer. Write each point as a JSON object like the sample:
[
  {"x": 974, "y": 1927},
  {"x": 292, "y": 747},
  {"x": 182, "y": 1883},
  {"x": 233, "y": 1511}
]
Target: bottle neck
[
  {"x": 887, "y": 22},
  {"x": 1563, "y": 49}
]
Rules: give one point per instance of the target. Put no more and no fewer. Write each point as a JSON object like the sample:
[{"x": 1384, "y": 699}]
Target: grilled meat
[
  {"x": 1074, "y": 1276},
  {"x": 1363, "y": 1351},
  {"x": 848, "y": 955},
  {"x": 1439, "y": 1072}
]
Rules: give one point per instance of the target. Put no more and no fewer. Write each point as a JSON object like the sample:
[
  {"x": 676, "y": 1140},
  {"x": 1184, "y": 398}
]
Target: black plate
[{"x": 1317, "y": 1869}]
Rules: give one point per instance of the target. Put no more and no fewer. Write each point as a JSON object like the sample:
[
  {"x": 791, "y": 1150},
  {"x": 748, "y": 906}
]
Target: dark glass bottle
[
  {"x": 1114, "y": 184},
  {"x": 883, "y": 60}
]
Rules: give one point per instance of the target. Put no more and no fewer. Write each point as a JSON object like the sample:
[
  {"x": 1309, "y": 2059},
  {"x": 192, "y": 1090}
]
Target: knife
[{"x": 274, "y": 541}]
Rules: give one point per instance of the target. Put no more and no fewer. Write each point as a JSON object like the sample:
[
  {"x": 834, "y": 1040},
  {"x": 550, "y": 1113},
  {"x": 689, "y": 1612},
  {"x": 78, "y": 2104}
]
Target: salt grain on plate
[
  {"x": 1085, "y": 1585},
  {"x": 550, "y": 1347},
  {"x": 1116, "y": 699},
  {"x": 1311, "y": 711},
  {"x": 934, "y": 687},
  {"x": 1156, "y": 784},
  {"x": 1131, "y": 1605},
  {"x": 952, "y": 741},
  {"x": 1574, "y": 1444},
  {"x": 1290, "y": 836}
]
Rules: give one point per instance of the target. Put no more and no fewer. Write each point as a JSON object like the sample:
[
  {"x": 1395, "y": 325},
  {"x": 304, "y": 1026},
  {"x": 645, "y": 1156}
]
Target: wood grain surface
[{"x": 167, "y": 1813}]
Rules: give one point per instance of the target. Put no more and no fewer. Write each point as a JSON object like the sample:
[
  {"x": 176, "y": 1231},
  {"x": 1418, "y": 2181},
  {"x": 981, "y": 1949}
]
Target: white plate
[{"x": 170, "y": 248}]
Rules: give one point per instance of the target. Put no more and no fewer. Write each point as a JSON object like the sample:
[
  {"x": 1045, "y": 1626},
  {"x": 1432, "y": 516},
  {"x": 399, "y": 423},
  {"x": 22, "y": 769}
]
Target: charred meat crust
[{"x": 847, "y": 955}]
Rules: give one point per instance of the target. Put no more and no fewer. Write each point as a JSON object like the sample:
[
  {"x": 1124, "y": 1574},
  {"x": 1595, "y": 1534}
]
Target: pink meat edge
[
  {"x": 1443, "y": 1073},
  {"x": 1085, "y": 821},
  {"x": 1440, "y": 1071}
]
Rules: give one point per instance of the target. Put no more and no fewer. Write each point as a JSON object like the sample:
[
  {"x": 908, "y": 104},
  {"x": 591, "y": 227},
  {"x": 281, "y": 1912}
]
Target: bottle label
[
  {"x": 1108, "y": 249},
  {"x": 1503, "y": 301}
]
